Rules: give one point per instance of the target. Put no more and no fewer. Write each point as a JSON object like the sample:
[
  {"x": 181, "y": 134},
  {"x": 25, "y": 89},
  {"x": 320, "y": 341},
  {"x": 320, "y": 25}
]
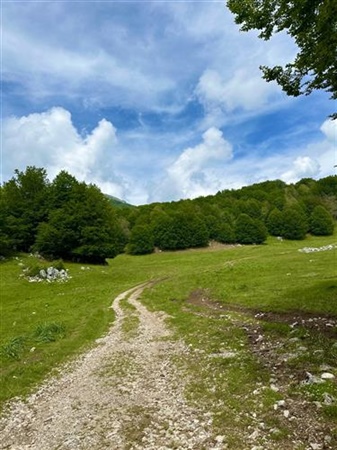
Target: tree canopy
[
  {"x": 74, "y": 221},
  {"x": 312, "y": 24},
  {"x": 63, "y": 219}
]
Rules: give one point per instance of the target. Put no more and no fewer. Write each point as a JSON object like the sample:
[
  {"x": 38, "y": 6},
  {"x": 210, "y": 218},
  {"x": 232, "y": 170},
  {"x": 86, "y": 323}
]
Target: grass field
[{"x": 44, "y": 324}]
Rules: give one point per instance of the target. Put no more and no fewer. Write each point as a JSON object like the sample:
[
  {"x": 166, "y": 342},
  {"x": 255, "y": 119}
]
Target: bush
[
  {"x": 321, "y": 222},
  {"x": 250, "y": 231},
  {"x": 225, "y": 234},
  {"x": 141, "y": 241},
  {"x": 179, "y": 231},
  {"x": 34, "y": 269},
  {"x": 295, "y": 224}
]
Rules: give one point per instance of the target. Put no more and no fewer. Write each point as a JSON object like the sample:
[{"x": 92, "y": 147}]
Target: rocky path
[{"x": 126, "y": 393}]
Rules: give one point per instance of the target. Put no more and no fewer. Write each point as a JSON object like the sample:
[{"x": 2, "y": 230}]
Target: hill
[
  {"x": 74, "y": 221},
  {"x": 243, "y": 216},
  {"x": 117, "y": 202}
]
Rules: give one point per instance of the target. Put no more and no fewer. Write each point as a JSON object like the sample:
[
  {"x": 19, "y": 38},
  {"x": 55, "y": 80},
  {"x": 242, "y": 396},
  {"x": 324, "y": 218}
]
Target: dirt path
[{"x": 126, "y": 393}]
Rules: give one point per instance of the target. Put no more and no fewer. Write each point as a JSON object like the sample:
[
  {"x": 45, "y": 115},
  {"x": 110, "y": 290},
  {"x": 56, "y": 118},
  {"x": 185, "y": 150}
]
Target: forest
[{"x": 74, "y": 221}]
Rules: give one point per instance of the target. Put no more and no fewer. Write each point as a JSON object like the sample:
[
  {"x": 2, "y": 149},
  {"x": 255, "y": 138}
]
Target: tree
[
  {"x": 141, "y": 240},
  {"x": 251, "y": 207},
  {"x": 312, "y": 24},
  {"x": 61, "y": 189},
  {"x": 6, "y": 242},
  {"x": 321, "y": 222},
  {"x": 226, "y": 233},
  {"x": 295, "y": 224},
  {"x": 250, "y": 231},
  {"x": 179, "y": 231},
  {"x": 83, "y": 227},
  {"x": 25, "y": 204},
  {"x": 275, "y": 222}
]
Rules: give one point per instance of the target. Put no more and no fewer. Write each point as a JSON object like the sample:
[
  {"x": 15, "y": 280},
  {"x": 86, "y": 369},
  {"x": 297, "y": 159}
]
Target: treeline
[
  {"x": 75, "y": 221},
  {"x": 245, "y": 216}
]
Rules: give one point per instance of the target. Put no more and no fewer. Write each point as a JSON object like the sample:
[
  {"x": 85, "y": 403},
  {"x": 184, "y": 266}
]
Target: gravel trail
[{"x": 125, "y": 393}]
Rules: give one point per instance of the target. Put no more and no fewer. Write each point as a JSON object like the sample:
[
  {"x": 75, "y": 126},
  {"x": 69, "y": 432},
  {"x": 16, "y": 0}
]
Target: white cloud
[
  {"x": 201, "y": 171},
  {"x": 302, "y": 167},
  {"x": 243, "y": 90},
  {"x": 127, "y": 168},
  {"x": 329, "y": 129},
  {"x": 49, "y": 139},
  {"x": 325, "y": 150},
  {"x": 314, "y": 160},
  {"x": 103, "y": 56},
  {"x": 244, "y": 93},
  {"x": 192, "y": 174}
]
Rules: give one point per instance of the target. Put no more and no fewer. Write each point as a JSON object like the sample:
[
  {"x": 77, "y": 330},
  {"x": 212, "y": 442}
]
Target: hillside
[
  {"x": 118, "y": 203},
  {"x": 227, "y": 348},
  {"x": 243, "y": 216},
  {"x": 74, "y": 221}
]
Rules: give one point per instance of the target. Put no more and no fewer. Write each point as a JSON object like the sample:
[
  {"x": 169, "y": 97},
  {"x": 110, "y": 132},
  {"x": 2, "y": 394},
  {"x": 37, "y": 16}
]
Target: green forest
[{"x": 74, "y": 221}]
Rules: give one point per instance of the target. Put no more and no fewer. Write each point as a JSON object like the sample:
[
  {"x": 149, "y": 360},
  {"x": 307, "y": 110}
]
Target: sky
[{"x": 153, "y": 101}]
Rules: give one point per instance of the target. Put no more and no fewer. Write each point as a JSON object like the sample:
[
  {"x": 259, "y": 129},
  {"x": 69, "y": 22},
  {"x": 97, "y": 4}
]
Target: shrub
[
  {"x": 321, "y": 222},
  {"x": 295, "y": 224},
  {"x": 179, "y": 231},
  {"x": 34, "y": 269},
  {"x": 225, "y": 234},
  {"x": 141, "y": 241},
  {"x": 250, "y": 231}
]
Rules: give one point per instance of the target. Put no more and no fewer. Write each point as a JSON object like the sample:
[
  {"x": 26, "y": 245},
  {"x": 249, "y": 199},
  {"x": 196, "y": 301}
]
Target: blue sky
[{"x": 153, "y": 101}]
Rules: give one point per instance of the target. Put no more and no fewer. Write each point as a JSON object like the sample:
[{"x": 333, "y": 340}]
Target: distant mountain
[{"x": 118, "y": 203}]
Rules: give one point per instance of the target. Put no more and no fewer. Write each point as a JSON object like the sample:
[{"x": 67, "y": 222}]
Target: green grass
[
  {"x": 13, "y": 348},
  {"x": 273, "y": 277},
  {"x": 49, "y": 332}
]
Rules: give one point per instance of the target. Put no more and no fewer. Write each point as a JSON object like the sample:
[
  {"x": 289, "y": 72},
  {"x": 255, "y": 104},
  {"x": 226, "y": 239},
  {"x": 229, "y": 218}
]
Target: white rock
[
  {"x": 312, "y": 379},
  {"x": 274, "y": 388},
  {"x": 327, "y": 376},
  {"x": 328, "y": 399},
  {"x": 315, "y": 446},
  {"x": 254, "y": 435},
  {"x": 280, "y": 404},
  {"x": 43, "y": 273},
  {"x": 327, "y": 439}
]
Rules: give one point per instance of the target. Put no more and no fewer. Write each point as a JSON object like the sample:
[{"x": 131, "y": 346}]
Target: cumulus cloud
[
  {"x": 49, "y": 139},
  {"x": 127, "y": 168},
  {"x": 313, "y": 160},
  {"x": 316, "y": 159},
  {"x": 211, "y": 166},
  {"x": 193, "y": 173},
  {"x": 302, "y": 167}
]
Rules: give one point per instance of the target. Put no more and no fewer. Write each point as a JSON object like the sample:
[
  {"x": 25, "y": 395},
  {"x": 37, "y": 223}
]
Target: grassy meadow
[{"x": 44, "y": 324}]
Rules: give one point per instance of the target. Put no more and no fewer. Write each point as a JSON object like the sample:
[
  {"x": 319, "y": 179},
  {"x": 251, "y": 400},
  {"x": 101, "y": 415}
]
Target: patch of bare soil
[
  {"x": 323, "y": 323},
  {"x": 126, "y": 393},
  {"x": 284, "y": 356}
]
